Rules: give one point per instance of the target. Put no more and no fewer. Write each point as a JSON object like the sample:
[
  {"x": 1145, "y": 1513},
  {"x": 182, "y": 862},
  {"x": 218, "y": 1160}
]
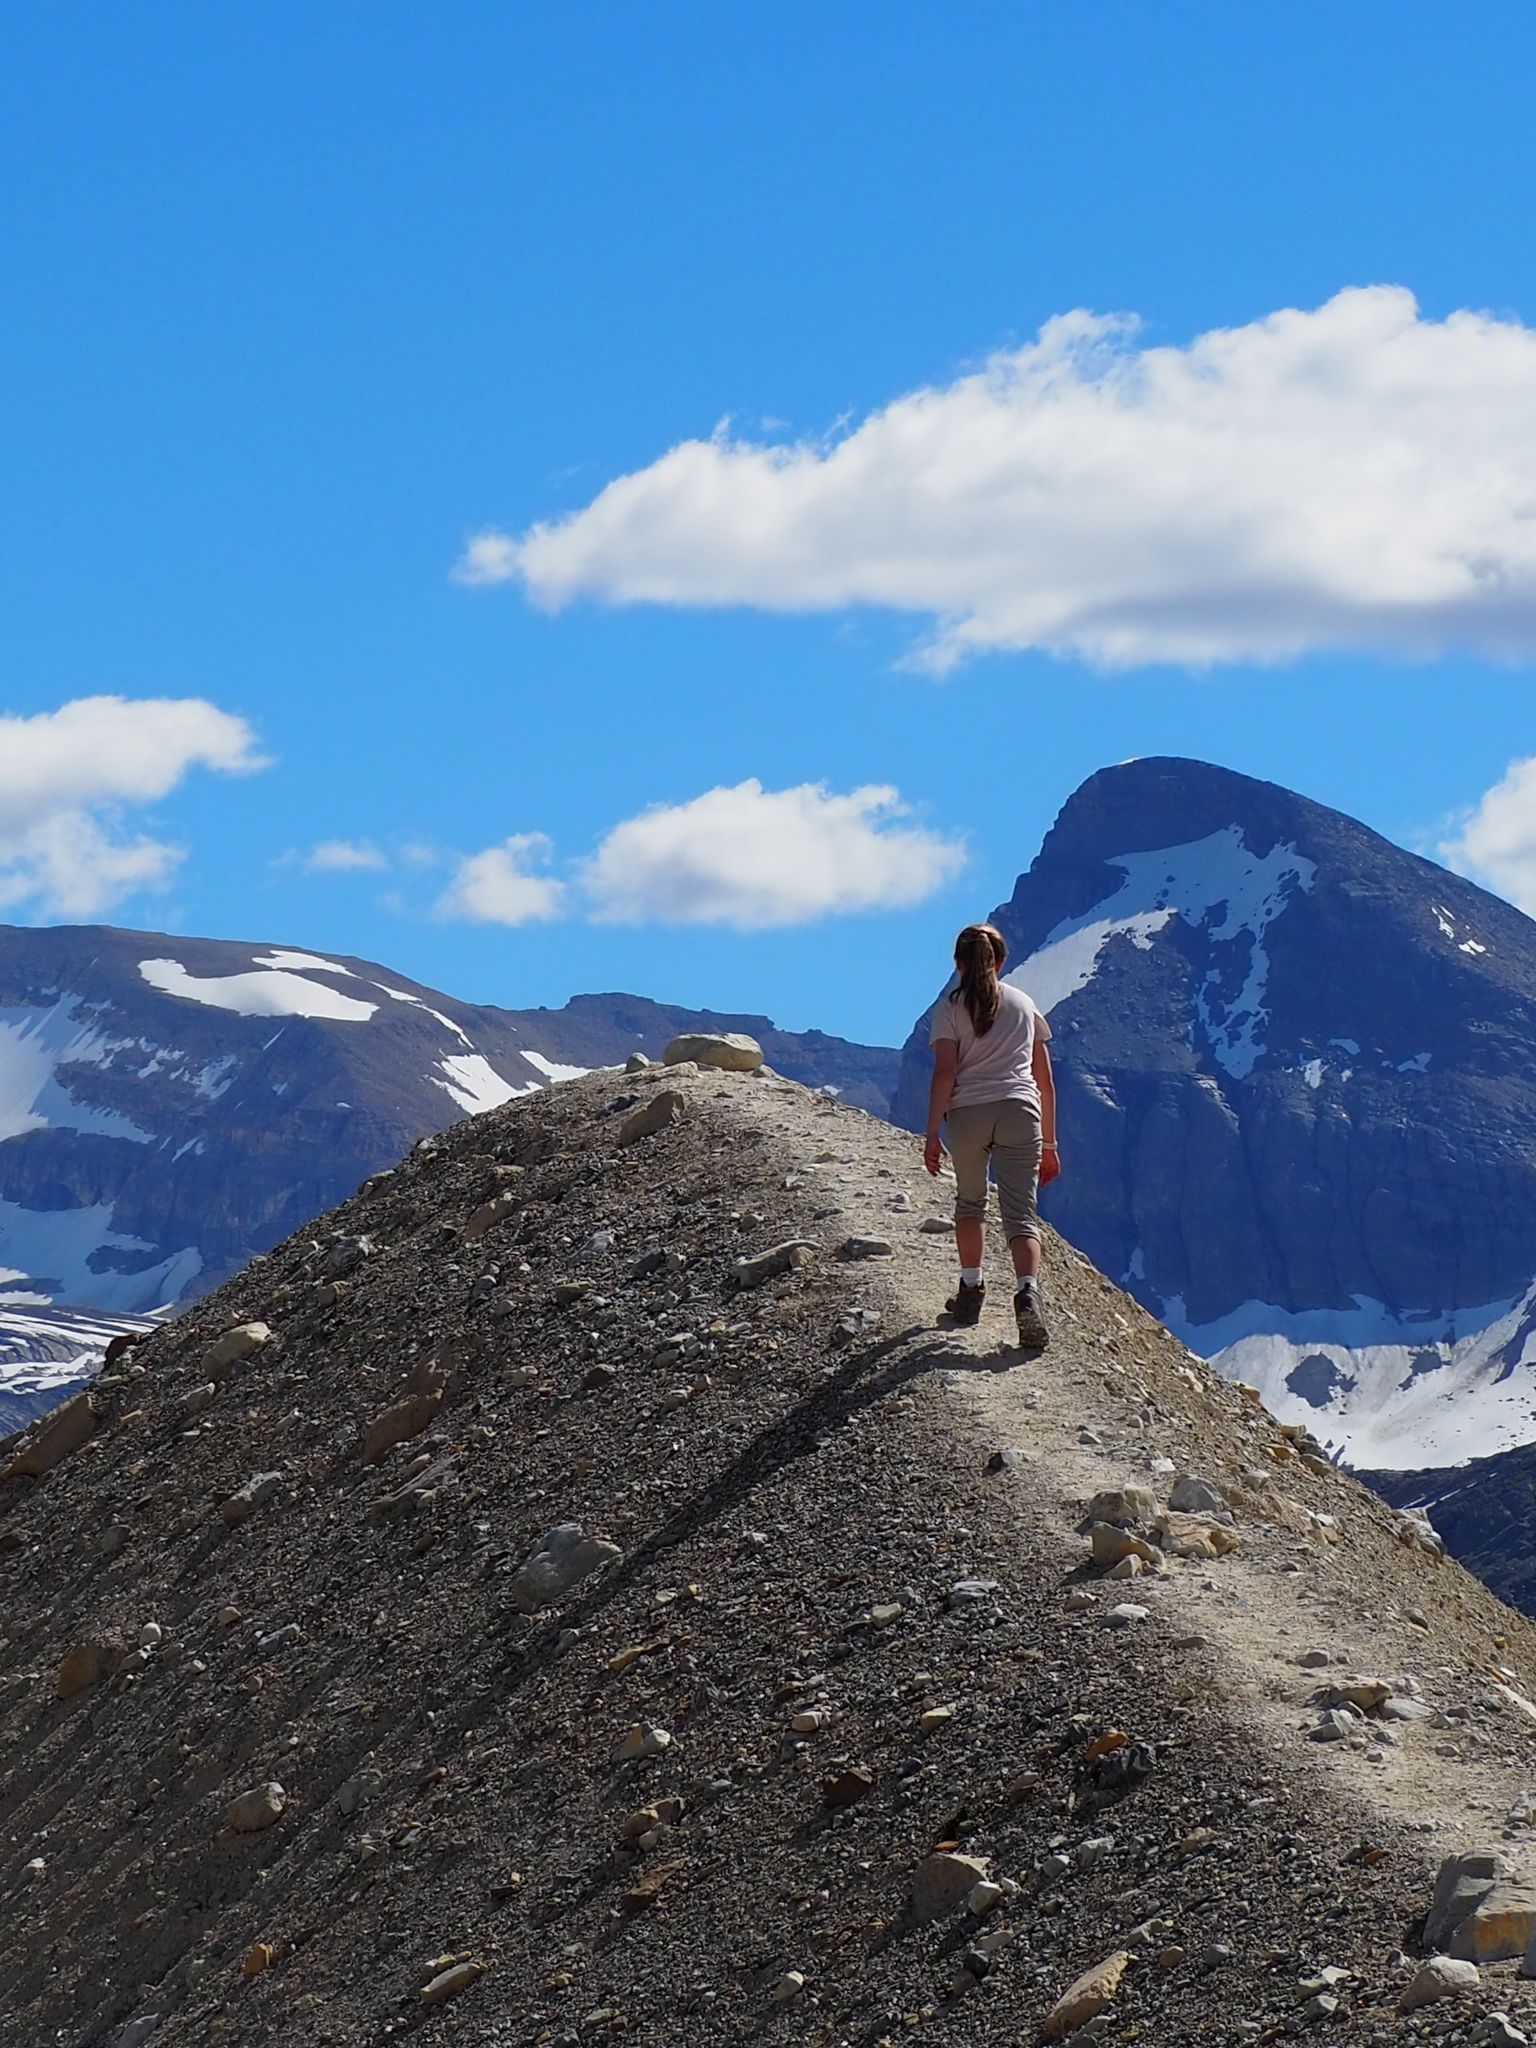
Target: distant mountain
[
  {"x": 45, "y": 1353},
  {"x": 602, "y": 1030},
  {"x": 171, "y": 1106},
  {"x": 1298, "y": 1077}
]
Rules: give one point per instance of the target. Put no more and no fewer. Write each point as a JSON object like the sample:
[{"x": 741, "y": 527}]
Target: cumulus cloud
[
  {"x": 345, "y": 857},
  {"x": 503, "y": 884},
  {"x": 68, "y": 776},
  {"x": 1356, "y": 476},
  {"x": 755, "y": 858},
  {"x": 1496, "y": 839}
]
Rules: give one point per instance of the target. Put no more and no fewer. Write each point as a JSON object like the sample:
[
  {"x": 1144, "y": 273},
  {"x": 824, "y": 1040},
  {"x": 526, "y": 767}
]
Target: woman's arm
[
  {"x": 946, "y": 1055},
  {"x": 1045, "y": 1081}
]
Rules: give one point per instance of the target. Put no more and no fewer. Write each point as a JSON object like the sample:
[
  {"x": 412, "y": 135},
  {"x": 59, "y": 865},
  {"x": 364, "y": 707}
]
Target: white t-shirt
[{"x": 997, "y": 1067}]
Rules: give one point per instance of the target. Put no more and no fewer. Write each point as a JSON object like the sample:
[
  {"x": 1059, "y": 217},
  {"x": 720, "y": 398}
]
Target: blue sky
[{"x": 302, "y": 299}]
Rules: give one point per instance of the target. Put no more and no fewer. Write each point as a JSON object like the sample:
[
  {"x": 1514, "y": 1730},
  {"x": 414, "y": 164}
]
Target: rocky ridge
[{"x": 574, "y": 1593}]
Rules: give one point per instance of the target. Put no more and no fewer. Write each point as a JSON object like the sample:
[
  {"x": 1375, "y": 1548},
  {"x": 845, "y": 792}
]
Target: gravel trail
[{"x": 836, "y": 1622}]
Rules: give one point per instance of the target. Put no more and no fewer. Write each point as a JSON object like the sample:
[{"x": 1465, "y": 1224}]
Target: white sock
[{"x": 970, "y": 1276}]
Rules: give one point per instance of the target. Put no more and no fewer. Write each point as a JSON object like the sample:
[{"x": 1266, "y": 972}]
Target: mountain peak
[{"x": 1296, "y": 1068}]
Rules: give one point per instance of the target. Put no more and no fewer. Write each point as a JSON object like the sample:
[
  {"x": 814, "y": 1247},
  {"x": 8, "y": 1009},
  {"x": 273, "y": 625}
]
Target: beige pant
[{"x": 1006, "y": 1135}]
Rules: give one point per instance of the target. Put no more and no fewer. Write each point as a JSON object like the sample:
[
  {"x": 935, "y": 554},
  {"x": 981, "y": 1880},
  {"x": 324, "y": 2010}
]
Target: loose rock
[
  {"x": 251, "y": 1813},
  {"x": 1440, "y": 1977},
  {"x": 731, "y": 1052},
  {"x": 1085, "y": 1999},
  {"x": 562, "y": 1558}
]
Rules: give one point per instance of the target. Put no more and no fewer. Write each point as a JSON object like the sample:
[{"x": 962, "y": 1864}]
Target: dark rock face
[
  {"x": 1297, "y": 1070},
  {"x": 1486, "y": 1512},
  {"x": 170, "y": 1106}
]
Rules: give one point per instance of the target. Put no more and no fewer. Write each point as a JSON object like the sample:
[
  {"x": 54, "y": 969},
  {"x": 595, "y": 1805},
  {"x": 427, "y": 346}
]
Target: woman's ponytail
[{"x": 980, "y": 951}]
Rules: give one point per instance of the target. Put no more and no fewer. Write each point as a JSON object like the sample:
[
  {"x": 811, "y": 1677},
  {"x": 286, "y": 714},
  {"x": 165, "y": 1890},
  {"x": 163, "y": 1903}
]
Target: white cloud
[
  {"x": 755, "y": 858},
  {"x": 66, "y": 778},
  {"x": 487, "y": 558},
  {"x": 497, "y": 887},
  {"x": 1354, "y": 476},
  {"x": 345, "y": 856},
  {"x": 1496, "y": 839}
]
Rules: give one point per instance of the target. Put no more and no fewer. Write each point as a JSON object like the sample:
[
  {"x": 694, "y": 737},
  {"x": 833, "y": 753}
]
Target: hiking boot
[
  {"x": 965, "y": 1303},
  {"x": 1033, "y": 1334}
]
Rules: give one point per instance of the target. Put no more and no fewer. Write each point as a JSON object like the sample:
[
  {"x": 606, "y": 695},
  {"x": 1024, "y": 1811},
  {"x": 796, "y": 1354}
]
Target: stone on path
[
  {"x": 1110, "y": 1545},
  {"x": 1193, "y": 1495},
  {"x": 1483, "y": 1909},
  {"x": 1195, "y": 1536},
  {"x": 779, "y": 1258},
  {"x": 1122, "y": 1507},
  {"x": 1440, "y": 1977}
]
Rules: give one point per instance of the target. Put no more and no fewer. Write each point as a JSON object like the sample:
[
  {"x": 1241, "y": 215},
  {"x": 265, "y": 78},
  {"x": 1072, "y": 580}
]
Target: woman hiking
[{"x": 993, "y": 1087}]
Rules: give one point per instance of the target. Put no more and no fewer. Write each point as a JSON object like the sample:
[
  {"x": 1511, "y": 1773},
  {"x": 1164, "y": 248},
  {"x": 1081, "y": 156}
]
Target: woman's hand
[
  {"x": 933, "y": 1152},
  {"x": 1050, "y": 1165}
]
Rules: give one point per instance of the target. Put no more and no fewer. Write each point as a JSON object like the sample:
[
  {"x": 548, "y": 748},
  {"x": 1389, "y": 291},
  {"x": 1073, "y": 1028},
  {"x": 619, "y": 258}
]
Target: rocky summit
[
  {"x": 1298, "y": 1078},
  {"x": 577, "y": 1592}
]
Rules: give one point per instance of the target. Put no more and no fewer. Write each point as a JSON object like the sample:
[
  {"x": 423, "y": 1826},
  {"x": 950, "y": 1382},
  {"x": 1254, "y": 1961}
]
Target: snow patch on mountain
[
  {"x": 281, "y": 958},
  {"x": 1384, "y": 1389},
  {"x": 475, "y": 1084},
  {"x": 263, "y": 992},
  {"x": 403, "y": 995},
  {"x": 50, "y": 1254},
  {"x": 46, "y": 1354},
  {"x": 35, "y": 1042},
  {"x": 1193, "y": 882},
  {"x": 553, "y": 1070}
]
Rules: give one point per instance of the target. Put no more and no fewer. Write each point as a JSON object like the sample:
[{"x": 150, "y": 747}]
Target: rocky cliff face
[{"x": 1298, "y": 1075}]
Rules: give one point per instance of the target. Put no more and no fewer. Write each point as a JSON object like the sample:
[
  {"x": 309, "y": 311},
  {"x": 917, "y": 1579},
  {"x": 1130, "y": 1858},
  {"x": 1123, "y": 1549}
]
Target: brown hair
[{"x": 980, "y": 951}]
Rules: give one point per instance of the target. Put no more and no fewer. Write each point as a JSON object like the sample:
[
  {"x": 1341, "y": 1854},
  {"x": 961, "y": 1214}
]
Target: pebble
[
  {"x": 789, "y": 1987},
  {"x": 642, "y": 1740},
  {"x": 1126, "y": 1615},
  {"x": 970, "y": 1592},
  {"x": 255, "y": 1493}
]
